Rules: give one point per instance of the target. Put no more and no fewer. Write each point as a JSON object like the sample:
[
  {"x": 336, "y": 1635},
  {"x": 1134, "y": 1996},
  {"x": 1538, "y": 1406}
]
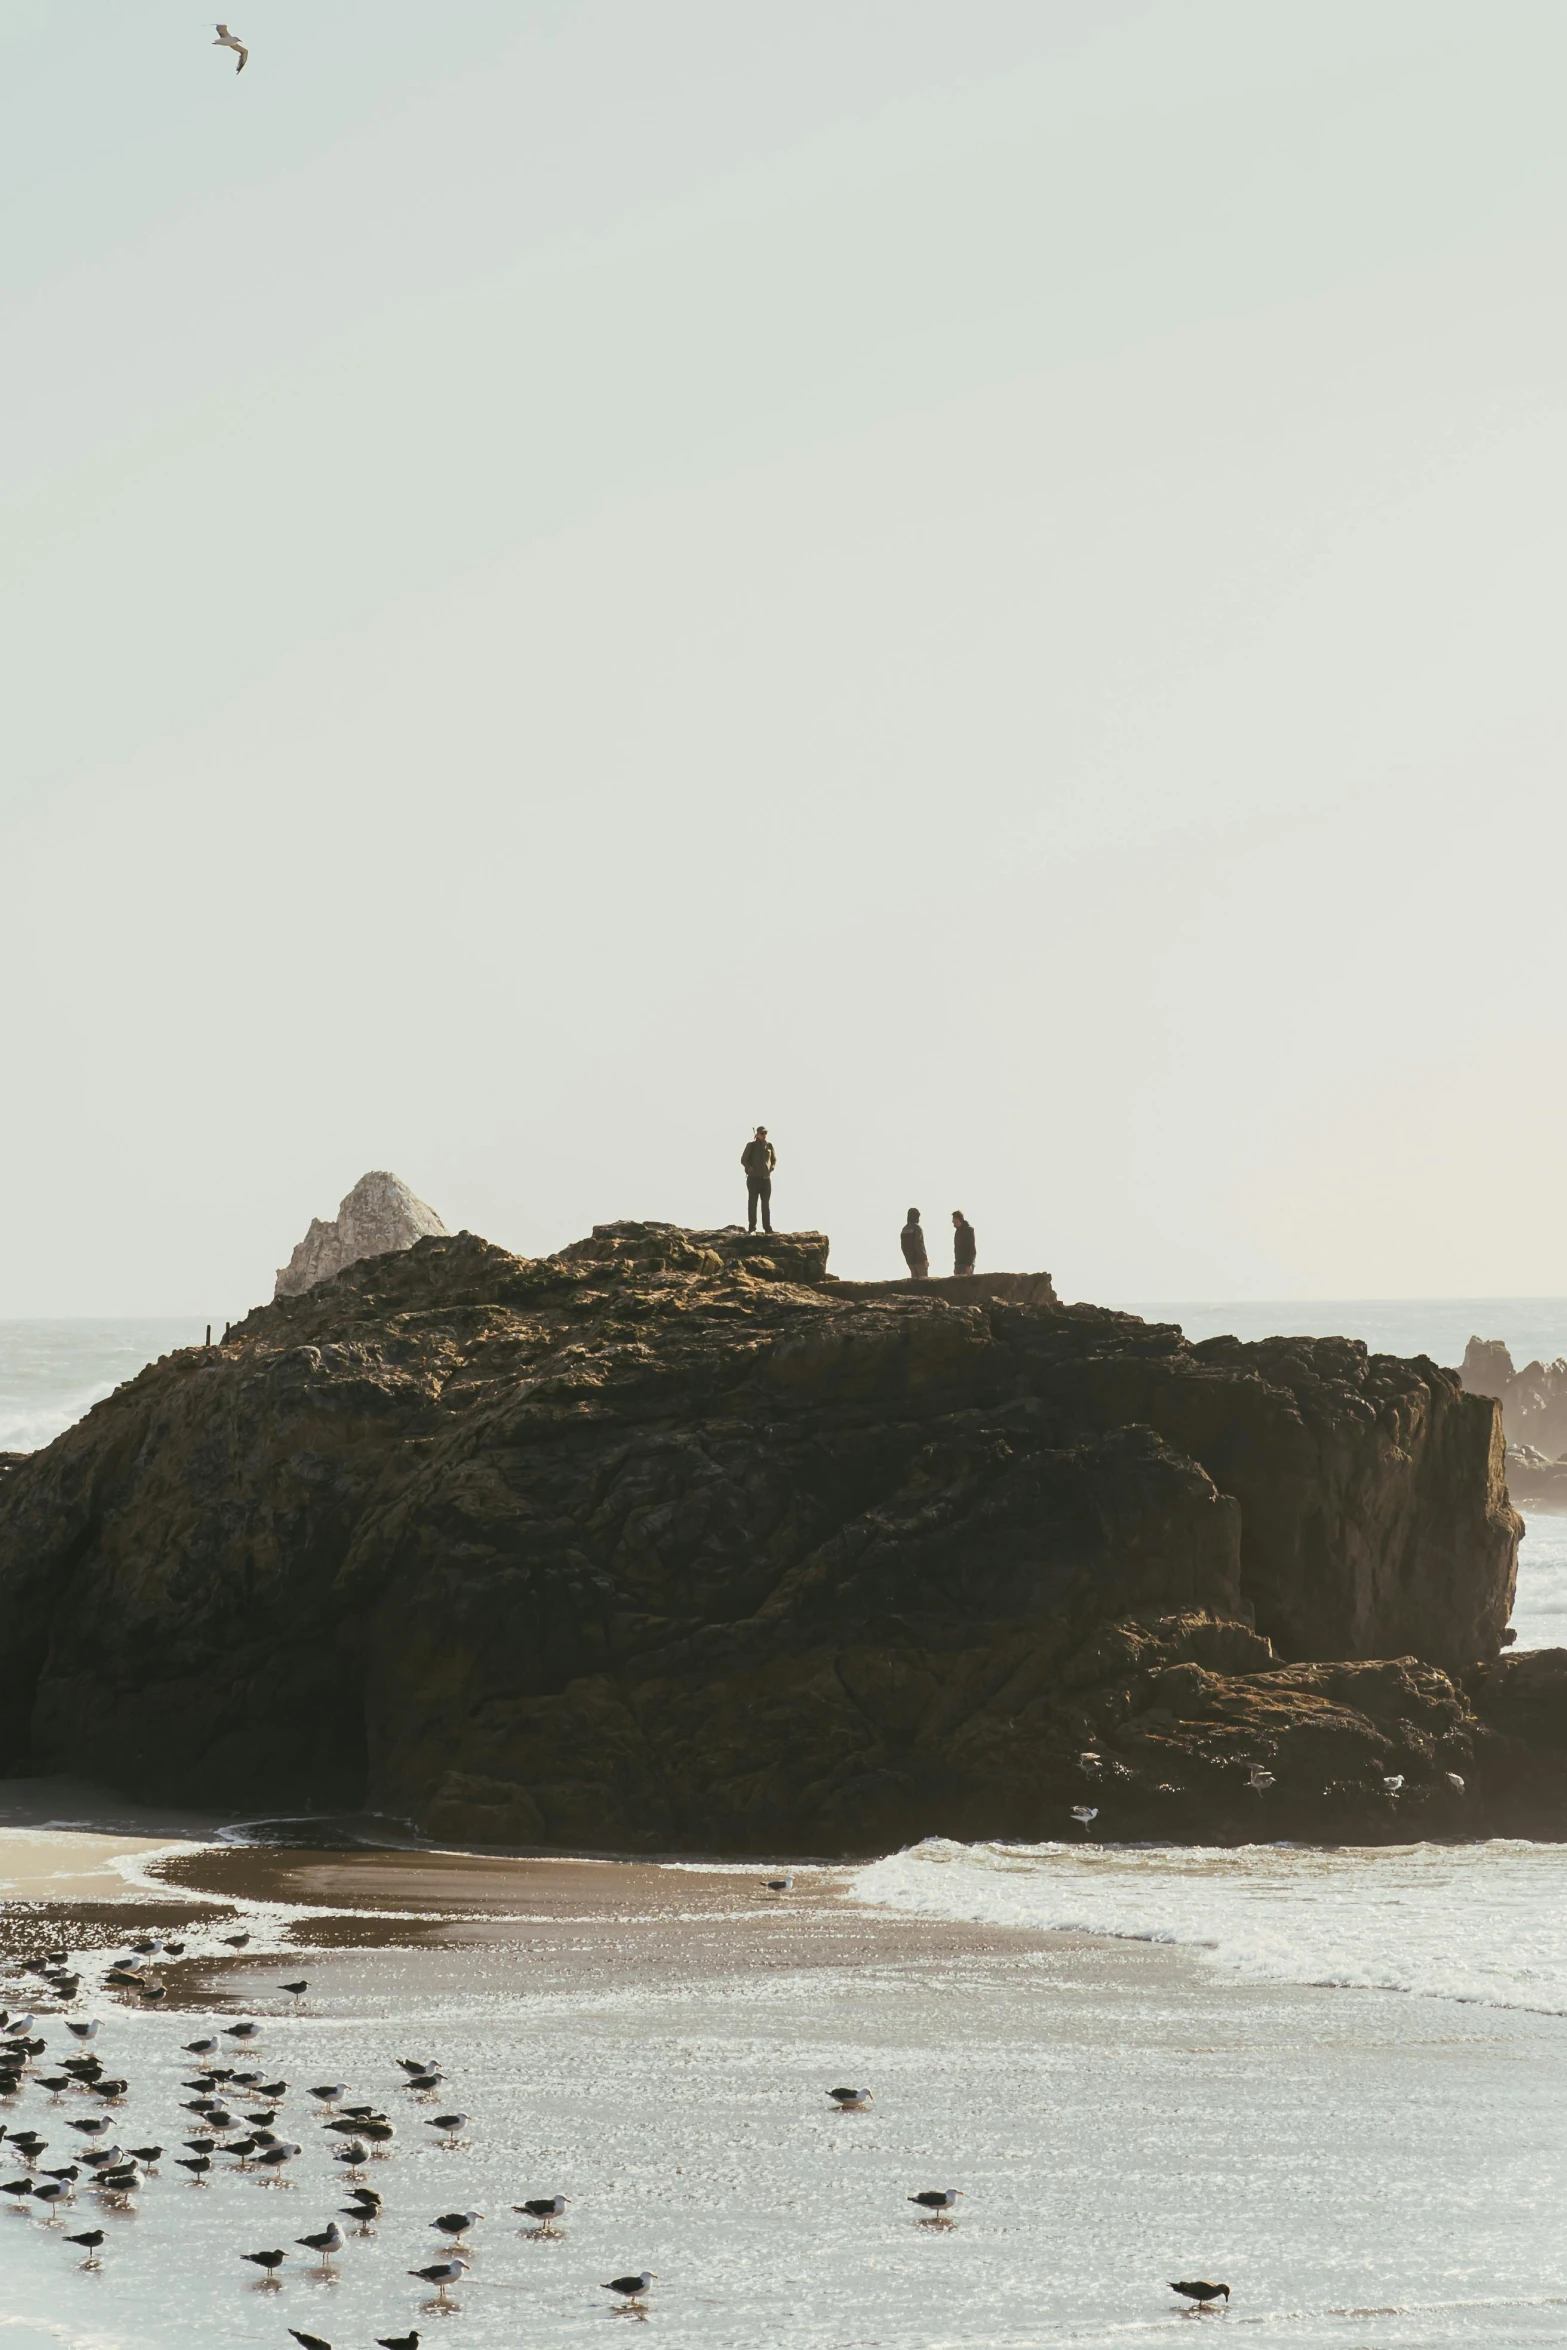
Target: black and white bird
[
  {"x": 52, "y": 2191},
  {"x": 455, "y": 2224},
  {"x": 296, "y": 1991},
  {"x": 1201, "y": 2295},
  {"x": 544, "y": 2211},
  {"x": 353, "y": 2155},
  {"x": 331, "y": 2093},
  {"x": 309, "y": 2341},
  {"x": 228, "y": 40},
  {"x": 449, "y": 2124},
  {"x": 397, "y": 2342},
  {"x": 936, "y": 2202},
  {"x": 850, "y": 2100},
  {"x": 243, "y": 2033},
  {"x": 85, "y": 2027},
  {"x": 326, "y": 2244},
  {"x": 778, "y": 1884},
  {"x": 442, "y": 2274},
  {"x": 191, "y": 2047},
  {"x": 271, "y": 2262},
  {"x": 632, "y": 2289},
  {"x": 90, "y": 2239}
]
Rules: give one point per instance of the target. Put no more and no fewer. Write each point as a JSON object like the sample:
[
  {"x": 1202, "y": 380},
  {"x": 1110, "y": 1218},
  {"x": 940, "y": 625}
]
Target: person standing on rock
[
  {"x": 913, "y": 1243},
  {"x": 964, "y": 1246},
  {"x": 759, "y": 1159}
]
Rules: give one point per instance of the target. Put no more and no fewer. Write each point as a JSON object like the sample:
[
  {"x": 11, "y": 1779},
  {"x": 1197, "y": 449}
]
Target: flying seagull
[
  {"x": 1201, "y": 2294},
  {"x": 228, "y": 40}
]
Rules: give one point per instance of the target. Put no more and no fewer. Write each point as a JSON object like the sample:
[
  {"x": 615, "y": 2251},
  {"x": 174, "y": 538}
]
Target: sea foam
[{"x": 1482, "y": 1922}]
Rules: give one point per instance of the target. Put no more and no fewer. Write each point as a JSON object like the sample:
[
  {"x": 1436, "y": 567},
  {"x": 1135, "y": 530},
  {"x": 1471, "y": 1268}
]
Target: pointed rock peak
[{"x": 379, "y": 1216}]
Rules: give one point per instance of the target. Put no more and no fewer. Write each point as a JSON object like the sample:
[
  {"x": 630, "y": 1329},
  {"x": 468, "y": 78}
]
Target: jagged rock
[
  {"x": 1533, "y": 1400},
  {"x": 379, "y": 1215},
  {"x": 673, "y": 1542}
]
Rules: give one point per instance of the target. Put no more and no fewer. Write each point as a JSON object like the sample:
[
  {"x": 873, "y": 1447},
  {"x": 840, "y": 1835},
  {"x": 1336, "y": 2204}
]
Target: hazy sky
[{"x": 979, "y": 580}]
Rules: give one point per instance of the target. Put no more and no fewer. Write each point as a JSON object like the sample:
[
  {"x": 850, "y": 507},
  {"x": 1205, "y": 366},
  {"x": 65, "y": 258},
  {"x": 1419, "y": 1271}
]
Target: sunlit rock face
[{"x": 379, "y": 1215}]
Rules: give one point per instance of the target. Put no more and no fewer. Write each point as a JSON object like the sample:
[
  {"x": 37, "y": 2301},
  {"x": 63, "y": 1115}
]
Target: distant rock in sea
[
  {"x": 379, "y": 1216},
  {"x": 1534, "y": 1419}
]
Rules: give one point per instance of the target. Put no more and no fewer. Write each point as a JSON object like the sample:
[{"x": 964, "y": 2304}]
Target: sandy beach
[{"x": 657, "y": 2043}]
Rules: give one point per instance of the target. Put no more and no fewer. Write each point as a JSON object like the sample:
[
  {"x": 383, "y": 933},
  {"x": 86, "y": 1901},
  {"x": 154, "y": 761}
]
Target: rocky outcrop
[
  {"x": 672, "y": 1542},
  {"x": 379, "y": 1215},
  {"x": 1533, "y": 1400}
]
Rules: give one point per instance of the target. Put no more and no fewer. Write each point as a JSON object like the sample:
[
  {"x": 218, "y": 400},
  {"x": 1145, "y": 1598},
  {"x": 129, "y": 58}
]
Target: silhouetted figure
[
  {"x": 964, "y": 1245},
  {"x": 913, "y": 1240},
  {"x": 759, "y": 1159}
]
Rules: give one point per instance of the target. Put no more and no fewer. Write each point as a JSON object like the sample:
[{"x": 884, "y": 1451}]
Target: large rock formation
[
  {"x": 379, "y": 1215},
  {"x": 674, "y": 1542}
]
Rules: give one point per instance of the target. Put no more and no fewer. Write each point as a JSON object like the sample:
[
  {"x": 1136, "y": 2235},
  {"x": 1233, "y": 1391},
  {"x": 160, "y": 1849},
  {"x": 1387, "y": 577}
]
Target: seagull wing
[{"x": 244, "y": 60}]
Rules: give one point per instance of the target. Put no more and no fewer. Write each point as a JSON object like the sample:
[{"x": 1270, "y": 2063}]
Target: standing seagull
[
  {"x": 228, "y": 40},
  {"x": 632, "y": 2290},
  {"x": 1201, "y": 2294},
  {"x": 936, "y": 2204}
]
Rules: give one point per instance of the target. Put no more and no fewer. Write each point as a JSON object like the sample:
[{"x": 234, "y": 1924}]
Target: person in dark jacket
[
  {"x": 964, "y": 1245},
  {"x": 759, "y": 1159},
  {"x": 913, "y": 1243}
]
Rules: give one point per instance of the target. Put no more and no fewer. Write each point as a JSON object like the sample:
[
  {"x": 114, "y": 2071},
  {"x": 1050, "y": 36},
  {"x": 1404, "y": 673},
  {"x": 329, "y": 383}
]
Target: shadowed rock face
[{"x": 673, "y": 1542}]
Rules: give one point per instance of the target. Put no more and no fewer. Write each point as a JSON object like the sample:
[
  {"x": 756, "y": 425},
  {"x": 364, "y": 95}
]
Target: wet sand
[{"x": 657, "y": 2042}]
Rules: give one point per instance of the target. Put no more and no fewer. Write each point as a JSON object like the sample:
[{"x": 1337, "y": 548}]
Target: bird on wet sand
[
  {"x": 778, "y": 1884},
  {"x": 442, "y": 2274},
  {"x": 90, "y": 2239},
  {"x": 296, "y": 1991},
  {"x": 228, "y": 40},
  {"x": 191, "y": 2047},
  {"x": 309, "y": 2341},
  {"x": 198, "y": 2165},
  {"x": 271, "y": 2262},
  {"x": 1201, "y": 2295},
  {"x": 455, "y": 2224},
  {"x": 397, "y": 2342},
  {"x": 449, "y": 2124},
  {"x": 544, "y": 2211},
  {"x": 331, "y": 2093},
  {"x": 936, "y": 2204},
  {"x": 850, "y": 2100},
  {"x": 632, "y": 2290},
  {"x": 240, "y": 2032},
  {"x": 86, "y": 2029}
]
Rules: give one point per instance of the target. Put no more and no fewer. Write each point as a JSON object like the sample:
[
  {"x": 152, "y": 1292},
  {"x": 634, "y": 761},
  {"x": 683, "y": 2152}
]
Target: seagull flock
[{"x": 234, "y": 2109}]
